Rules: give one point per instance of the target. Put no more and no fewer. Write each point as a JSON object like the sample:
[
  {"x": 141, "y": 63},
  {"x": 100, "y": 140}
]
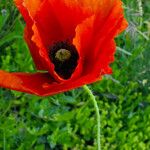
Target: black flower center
[{"x": 65, "y": 57}]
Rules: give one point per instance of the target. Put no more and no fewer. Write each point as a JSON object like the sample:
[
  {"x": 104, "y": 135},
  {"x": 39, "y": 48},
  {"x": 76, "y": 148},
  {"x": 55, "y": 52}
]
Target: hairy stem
[{"x": 86, "y": 88}]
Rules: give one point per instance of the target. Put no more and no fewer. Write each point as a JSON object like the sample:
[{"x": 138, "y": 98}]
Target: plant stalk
[{"x": 87, "y": 89}]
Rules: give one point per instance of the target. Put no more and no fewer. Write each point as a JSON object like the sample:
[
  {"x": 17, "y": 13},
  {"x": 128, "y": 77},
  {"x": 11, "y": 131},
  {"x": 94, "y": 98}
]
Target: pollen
[{"x": 63, "y": 55}]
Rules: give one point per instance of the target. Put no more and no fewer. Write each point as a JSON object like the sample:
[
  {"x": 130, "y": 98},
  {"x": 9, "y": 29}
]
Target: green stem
[
  {"x": 4, "y": 140},
  {"x": 86, "y": 88}
]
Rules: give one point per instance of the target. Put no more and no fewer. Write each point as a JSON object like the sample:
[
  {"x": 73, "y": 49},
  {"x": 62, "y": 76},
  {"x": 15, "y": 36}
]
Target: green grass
[{"x": 68, "y": 120}]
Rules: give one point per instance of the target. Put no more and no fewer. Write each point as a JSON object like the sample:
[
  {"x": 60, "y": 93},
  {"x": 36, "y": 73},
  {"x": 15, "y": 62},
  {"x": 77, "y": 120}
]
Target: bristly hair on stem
[{"x": 92, "y": 97}]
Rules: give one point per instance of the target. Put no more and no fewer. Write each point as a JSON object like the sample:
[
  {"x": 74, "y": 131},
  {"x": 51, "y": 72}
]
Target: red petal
[
  {"x": 24, "y": 82},
  {"x": 32, "y": 6},
  {"x": 40, "y": 83},
  {"x": 34, "y": 50},
  {"x": 82, "y": 41},
  {"x": 94, "y": 37},
  {"x": 57, "y": 20}
]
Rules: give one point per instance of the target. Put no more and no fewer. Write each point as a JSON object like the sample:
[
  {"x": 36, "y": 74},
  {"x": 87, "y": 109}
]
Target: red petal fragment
[
  {"x": 32, "y": 6},
  {"x": 40, "y": 83},
  {"x": 34, "y": 50},
  {"x": 25, "y": 82}
]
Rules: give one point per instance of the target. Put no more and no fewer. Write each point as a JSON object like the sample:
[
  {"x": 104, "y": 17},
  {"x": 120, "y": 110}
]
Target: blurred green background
[{"x": 67, "y": 121}]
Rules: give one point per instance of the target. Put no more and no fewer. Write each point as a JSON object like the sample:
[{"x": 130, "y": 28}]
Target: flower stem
[{"x": 86, "y": 88}]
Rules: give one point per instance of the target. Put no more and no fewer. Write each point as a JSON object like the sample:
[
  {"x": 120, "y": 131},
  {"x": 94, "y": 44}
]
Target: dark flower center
[{"x": 65, "y": 57}]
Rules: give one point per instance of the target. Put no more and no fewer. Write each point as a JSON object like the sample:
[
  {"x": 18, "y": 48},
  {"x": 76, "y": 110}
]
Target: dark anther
[{"x": 64, "y": 56}]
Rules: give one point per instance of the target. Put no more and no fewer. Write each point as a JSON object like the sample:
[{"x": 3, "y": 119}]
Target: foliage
[{"x": 67, "y": 120}]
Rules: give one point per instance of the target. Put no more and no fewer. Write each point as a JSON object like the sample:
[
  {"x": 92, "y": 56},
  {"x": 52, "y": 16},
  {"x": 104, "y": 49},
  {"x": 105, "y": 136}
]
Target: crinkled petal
[{"x": 95, "y": 36}]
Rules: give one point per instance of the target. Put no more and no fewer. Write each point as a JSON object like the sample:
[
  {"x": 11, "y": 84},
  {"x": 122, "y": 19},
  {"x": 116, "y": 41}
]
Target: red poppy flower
[{"x": 72, "y": 40}]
